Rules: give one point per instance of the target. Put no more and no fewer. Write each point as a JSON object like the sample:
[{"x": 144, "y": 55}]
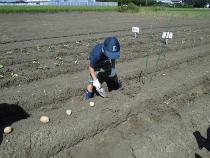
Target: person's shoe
[
  {"x": 119, "y": 85},
  {"x": 200, "y": 139},
  {"x": 89, "y": 95}
]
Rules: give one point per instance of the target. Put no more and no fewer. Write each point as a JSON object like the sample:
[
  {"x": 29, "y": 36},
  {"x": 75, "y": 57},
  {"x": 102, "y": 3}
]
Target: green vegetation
[
  {"x": 131, "y": 7},
  {"x": 136, "y": 2},
  {"x": 171, "y": 10},
  {"x": 190, "y": 12},
  {"x": 197, "y": 3},
  {"x": 193, "y": 3},
  {"x": 24, "y": 9}
]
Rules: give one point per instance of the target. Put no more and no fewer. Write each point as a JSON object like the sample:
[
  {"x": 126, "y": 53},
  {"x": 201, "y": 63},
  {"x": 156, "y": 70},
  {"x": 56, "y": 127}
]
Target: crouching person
[{"x": 102, "y": 67}]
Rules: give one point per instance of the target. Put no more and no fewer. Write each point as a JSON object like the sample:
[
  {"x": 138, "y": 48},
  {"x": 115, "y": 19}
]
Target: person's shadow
[
  {"x": 197, "y": 156},
  {"x": 10, "y": 113},
  {"x": 202, "y": 141}
]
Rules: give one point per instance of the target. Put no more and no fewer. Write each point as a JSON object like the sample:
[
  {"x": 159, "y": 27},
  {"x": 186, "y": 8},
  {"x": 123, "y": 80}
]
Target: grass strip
[
  {"x": 190, "y": 12},
  {"x": 32, "y": 9}
]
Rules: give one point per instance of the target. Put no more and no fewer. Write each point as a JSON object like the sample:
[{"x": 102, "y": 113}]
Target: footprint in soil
[
  {"x": 201, "y": 141},
  {"x": 10, "y": 113}
]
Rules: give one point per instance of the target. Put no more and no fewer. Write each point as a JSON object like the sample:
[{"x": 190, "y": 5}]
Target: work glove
[
  {"x": 113, "y": 72},
  {"x": 96, "y": 84}
]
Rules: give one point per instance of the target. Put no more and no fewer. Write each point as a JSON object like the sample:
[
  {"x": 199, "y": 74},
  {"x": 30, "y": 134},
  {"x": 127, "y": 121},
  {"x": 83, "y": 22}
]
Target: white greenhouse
[{"x": 58, "y": 2}]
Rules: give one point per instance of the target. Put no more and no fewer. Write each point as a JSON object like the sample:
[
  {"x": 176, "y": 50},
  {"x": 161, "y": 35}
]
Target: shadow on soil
[
  {"x": 197, "y": 156},
  {"x": 10, "y": 113},
  {"x": 202, "y": 141}
]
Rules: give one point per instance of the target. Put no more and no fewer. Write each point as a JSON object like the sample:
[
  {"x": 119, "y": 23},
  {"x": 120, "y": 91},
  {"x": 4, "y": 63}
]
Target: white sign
[
  {"x": 167, "y": 35},
  {"x": 135, "y": 29}
]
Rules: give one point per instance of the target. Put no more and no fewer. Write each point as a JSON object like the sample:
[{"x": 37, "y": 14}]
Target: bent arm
[{"x": 92, "y": 72}]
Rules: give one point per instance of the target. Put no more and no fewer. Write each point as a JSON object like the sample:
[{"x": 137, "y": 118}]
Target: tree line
[{"x": 193, "y": 3}]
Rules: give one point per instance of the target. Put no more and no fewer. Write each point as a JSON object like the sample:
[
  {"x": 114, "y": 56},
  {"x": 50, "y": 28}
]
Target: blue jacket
[{"x": 97, "y": 56}]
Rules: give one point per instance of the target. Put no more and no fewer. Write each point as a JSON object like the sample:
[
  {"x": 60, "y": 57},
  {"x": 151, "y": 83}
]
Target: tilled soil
[{"x": 164, "y": 99}]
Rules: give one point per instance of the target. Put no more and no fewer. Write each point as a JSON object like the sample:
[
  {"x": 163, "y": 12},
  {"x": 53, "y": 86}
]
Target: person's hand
[
  {"x": 96, "y": 84},
  {"x": 113, "y": 72}
]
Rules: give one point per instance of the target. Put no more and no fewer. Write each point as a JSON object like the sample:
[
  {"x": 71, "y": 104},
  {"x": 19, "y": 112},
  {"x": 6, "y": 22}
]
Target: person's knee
[{"x": 90, "y": 88}]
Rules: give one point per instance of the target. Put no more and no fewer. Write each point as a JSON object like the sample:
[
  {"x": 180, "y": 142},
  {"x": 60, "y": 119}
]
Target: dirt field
[{"x": 153, "y": 116}]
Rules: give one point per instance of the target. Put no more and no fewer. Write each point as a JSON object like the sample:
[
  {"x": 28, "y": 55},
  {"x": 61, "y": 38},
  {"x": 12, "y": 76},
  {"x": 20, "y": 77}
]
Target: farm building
[
  {"x": 170, "y": 1},
  {"x": 87, "y": 1},
  {"x": 59, "y": 2},
  {"x": 69, "y": 1},
  {"x": 207, "y": 5},
  {"x": 165, "y": 1}
]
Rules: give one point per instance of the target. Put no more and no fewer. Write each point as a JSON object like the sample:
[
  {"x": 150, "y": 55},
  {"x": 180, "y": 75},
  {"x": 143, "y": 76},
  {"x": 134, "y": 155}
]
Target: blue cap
[{"x": 112, "y": 48}]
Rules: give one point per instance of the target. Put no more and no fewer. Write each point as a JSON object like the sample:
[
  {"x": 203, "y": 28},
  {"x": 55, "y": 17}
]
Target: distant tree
[{"x": 197, "y": 3}]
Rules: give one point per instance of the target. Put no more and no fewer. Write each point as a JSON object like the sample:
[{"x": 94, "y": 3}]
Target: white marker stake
[
  {"x": 167, "y": 36},
  {"x": 170, "y": 36},
  {"x": 164, "y": 35},
  {"x": 135, "y": 30}
]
